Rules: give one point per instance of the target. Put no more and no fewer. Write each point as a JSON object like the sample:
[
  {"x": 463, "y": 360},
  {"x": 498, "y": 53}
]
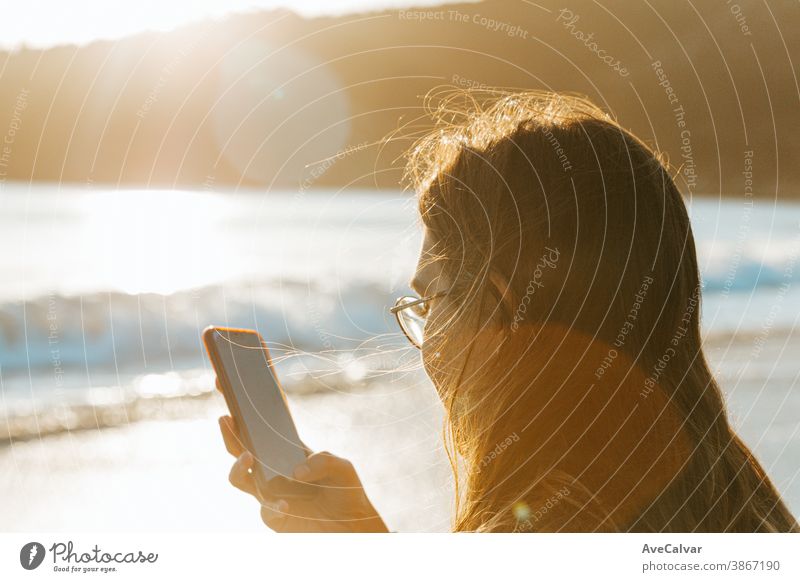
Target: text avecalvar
[{"x": 671, "y": 549}]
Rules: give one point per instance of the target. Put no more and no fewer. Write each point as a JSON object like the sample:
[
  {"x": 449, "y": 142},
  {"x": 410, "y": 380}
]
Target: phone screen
[{"x": 276, "y": 445}]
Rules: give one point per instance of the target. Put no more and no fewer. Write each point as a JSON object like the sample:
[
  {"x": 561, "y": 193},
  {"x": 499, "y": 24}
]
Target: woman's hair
[{"x": 568, "y": 352}]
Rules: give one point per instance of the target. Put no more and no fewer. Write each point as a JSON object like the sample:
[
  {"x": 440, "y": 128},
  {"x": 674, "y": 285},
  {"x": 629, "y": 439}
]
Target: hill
[{"x": 273, "y": 100}]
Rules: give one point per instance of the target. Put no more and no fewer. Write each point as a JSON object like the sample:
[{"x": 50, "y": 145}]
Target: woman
[{"x": 558, "y": 317}]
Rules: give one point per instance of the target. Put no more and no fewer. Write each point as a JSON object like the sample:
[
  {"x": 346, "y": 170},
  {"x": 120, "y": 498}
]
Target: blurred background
[{"x": 164, "y": 167}]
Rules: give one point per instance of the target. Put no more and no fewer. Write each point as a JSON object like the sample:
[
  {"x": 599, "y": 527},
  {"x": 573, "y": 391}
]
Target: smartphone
[{"x": 258, "y": 405}]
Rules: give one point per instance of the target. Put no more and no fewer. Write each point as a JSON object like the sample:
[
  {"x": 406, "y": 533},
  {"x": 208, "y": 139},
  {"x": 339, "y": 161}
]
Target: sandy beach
[{"x": 171, "y": 475}]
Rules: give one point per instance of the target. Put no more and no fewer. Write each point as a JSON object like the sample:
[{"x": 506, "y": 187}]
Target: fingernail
[
  {"x": 245, "y": 457},
  {"x": 302, "y": 471}
]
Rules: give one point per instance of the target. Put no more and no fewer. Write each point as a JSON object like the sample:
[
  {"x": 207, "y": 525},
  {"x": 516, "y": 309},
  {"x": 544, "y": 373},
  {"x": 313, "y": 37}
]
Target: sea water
[{"x": 104, "y": 292}]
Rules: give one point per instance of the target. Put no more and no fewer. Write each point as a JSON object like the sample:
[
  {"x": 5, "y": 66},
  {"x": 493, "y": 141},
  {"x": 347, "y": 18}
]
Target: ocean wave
[
  {"x": 733, "y": 275},
  {"x": 121, "y": 332}
]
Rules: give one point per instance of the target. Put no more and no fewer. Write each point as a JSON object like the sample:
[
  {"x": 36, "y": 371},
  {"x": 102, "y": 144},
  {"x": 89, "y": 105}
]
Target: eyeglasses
[{"x": 412, "y": 313}]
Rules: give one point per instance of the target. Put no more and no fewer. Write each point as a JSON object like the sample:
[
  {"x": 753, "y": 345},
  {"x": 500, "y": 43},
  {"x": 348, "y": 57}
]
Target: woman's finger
[
  {"x": 230, "y": 435},
  {"x": 275, "y": 514},
  {"x": 324, "y": 465},
  {"x": 240, "y": 475}
]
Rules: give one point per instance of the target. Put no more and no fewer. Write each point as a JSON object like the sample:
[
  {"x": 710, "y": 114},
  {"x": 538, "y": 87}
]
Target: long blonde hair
[{"x": 596, "y": 411}]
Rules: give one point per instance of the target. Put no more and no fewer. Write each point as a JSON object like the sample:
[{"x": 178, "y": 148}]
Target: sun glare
[
  {"x": 84, "y": 21},
  {"x": 156, "y": 241}
]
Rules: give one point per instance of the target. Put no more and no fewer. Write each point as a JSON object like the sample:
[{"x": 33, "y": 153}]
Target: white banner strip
[{"x": 402, "y": 557}]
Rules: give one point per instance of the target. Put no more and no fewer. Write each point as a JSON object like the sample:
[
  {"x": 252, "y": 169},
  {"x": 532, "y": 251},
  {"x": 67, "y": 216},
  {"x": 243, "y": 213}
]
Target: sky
[{"x": 84, "y": 21}]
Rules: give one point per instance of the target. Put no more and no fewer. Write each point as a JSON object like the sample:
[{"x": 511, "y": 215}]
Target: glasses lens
[{"x": 412, "y": 319}]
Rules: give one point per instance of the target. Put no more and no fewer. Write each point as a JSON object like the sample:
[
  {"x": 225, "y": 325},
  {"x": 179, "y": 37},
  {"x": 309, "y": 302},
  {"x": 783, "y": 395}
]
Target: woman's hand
[{"x": 340, "y": 504}]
